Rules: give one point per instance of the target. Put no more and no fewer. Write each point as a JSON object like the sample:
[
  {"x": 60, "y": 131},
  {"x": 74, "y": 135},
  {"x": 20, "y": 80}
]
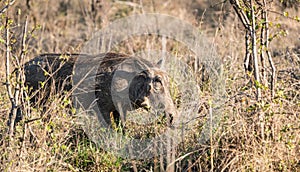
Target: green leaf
[
  {"x": 278, "y": 25},
  {"x": 286, "y": 14},
  {"x": 46, "y": 73},
  {"x": 2, "y": 40},
  {"x": 42, "y": 84}
]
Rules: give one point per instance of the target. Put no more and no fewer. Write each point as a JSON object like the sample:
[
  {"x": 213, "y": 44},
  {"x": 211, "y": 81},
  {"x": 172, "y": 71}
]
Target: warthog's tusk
[{"x": 146, "y": 103}]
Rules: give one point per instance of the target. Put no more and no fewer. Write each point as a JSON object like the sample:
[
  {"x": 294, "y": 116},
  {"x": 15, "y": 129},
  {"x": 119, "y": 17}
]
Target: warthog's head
[
  {"x": 149, "y": 89},
  {"x": 126, "y": 83}
]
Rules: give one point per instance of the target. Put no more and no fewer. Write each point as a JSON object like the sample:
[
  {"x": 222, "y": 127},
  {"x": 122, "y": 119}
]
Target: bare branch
[
  {"x": 262, "y": 46},
  {"x": 247, "y": 54},
  {"x": 7, "y": 82},
  {"x": 241, "y": 14},
  {"x": 254, "y": 52},
  {"x": 273, "y": 74}
]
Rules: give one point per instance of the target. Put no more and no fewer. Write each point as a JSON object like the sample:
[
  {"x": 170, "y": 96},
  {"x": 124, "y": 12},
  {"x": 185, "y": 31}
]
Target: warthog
[{"x": 122, "y": 83}]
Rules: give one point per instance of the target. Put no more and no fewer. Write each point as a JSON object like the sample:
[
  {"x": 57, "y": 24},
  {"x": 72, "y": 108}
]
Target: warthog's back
[{"x": 47, "y": 67}]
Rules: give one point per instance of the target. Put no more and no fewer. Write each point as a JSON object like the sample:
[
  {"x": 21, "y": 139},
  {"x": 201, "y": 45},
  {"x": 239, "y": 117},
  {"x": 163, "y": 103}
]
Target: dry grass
[{"x": 251, "y": 136}]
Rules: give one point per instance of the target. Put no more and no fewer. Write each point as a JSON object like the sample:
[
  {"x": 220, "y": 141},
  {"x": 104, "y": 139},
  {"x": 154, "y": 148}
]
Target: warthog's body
[
  {"x": 48, "y": 74},
  {"x": 122, "y": 83}
]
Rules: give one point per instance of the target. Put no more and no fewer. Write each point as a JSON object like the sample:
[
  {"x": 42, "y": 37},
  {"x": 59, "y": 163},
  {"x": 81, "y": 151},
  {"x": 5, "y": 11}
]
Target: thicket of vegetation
[{"x": 258, "y": 43}]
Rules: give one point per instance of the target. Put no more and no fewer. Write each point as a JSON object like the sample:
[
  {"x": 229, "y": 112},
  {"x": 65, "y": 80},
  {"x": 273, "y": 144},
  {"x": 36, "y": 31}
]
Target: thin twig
[
  {"x": 281, "y": 14},
  {"x": 9, "y": 3},
  {"x": 132, "y": 4},
  {"x": 211, "y": 140}
]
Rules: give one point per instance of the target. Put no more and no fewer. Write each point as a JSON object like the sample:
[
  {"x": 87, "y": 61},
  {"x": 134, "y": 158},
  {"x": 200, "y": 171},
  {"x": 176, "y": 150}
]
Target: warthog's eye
[
  {"x": 157, "y": 83},
  {"x": 144, "y": 74}
]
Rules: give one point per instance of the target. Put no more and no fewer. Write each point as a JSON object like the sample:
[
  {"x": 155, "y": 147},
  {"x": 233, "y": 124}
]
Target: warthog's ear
[{"x": 160, "y": 63}]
